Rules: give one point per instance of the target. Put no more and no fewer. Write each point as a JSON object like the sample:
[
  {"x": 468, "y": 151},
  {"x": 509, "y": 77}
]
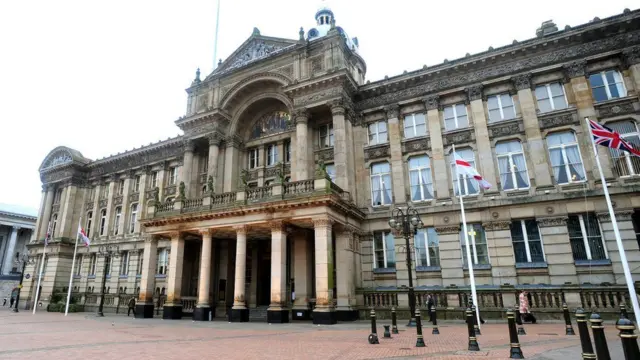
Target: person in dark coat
[
  {"x": 430, "y": 304},
  {"x": 132, "y": 306}
]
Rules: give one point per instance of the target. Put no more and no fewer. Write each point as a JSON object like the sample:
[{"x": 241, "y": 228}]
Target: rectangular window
[
  {"x": 89, "y": 221},
  {"x": 92, "y": 194},
  {"x": 140, "y": 262},
  {"x": 92, "y": 265},
  {"x": 377, "y": 133},
  {"x": 154, "y": 180},
  {"x": 326, "y": 135},
  {"x": 272, "y": 154},
  {"x": 427, "y": 247},
  {"x": 455, "y": 117},
  {"x": 54, "y": 225},
  {"x": 103, "y": 221},
  {"x": 477, "y": 243},
  {"x": 565, "y": 157},
  {"x": 607, "y": 85},
  {"x": 287, "y": 151},
  {"x": 163, "y": 262},
  {"x": 116, "y": 221},
  {"x": 58, "y": 196},
  {"x": 420, "y": 178},
  {"x": 108, "y": 265},
  {"x": 469, "y": 184},
  {"x": 585, "y": 236},
  {"x": 78, "y": 269},
  {"x": 527, "y": 243},
  {"x": 253, "y": 158},
  {"x": 173, "y": 175},
  {"x": 124, "y": 263},
  {"x": 384, "y": 250},
  {"x": 380, "y": 184},
  {"x": 624, "y": 163},
  {"x": 551, "y": 97},
  {"x": 331, "y": 171},
  {"x": 415, "y": 125},
  {"x": 136, "y": 183},
  {"x": 512, "y": 166},
  {"x": 120, "y": 187},
  {"x": 501, "y": 107},
  {"x": 133, "y": 219}
]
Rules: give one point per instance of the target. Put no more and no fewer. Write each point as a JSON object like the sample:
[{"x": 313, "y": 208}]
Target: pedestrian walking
[
  {"x": 4, "y": 302},
  {"x": 525, "y": 313},
  {"x": 430, "y": 304},
  {"x": 132, "y": 306}
]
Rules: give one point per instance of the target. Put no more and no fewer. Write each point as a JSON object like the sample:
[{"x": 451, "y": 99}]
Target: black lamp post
[
  {"x": 108, "y": 252},
  {"x": 24, "y": 259},
  {"x": 407, "y": 224}
]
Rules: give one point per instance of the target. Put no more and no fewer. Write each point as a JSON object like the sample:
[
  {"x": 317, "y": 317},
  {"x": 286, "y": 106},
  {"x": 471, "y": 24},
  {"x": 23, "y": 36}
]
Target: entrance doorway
[{"x": 263, "y": 287}]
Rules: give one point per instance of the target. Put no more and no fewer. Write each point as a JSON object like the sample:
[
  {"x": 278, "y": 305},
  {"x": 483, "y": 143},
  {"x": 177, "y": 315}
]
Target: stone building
[
  {"x": 277, "y": 197},
  {"x": 16, "y": 227}
]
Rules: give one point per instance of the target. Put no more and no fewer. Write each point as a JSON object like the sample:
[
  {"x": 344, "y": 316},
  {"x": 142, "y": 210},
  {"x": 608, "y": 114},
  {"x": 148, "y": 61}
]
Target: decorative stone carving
[
  {"x": 241, "y": 229},
  {"x": 55, "y": 208},
  {"x": 271, "y": 123},
  {"x": 234, "y": 141},
  {"x": 375, "y": 152},
  {"x": 117, "y": 200},
  {"x": 500, "y": 129},
  {"x": 618, "y": 108},
  {"x": 156, "y": 195},
  {"x": 412, "y": 145},
  {"x": 244, "y": 178},
  {"x": 622, "y": 215},
  {"x": 88, "y": 206},
  {"x": 458, "y": 137},
  {"x": 210, "y": 184},
  {"x": 522, "y": 81},
  {"x": 301, "y": 116},
  {"x": 215, "y": 138},
  {"x": 431, "y": 102},
  {"x": 496, "y": 225},
  {"x": 316, "y": 63},
  {"x": 255, "y": 51},
  {"x": 552, "y": 221},
  {"x": 286, "y": 70},
  {"x": 444, "y": 230},
  {"x": 102, "y": 203},
  {"x": 59, "y": 158},
  {"x": 170, "y": 190},
  {"x": 549, "y": 209},
  {"x": 276, "y": 225},
  {"x": 337, "y": 107},
  {"x": 495, "y": 214},
  {"x": 474, "y": 92},
  {"x": 56, "y": 176},
  {"x": 556, "y": 120},
  {"x": 134, "y": 197},
  {"x": 321, "y": 170},
  {"x": 575, "y": 68},
  {"x": 325, "y": 154},
  {"x": 322, "y": 222},
  {"x": 631, "y": 55},
  {"x": 392, "y": 111},
  {"x": 317, "y": 97},
  {"x": 189, "y": 145}
]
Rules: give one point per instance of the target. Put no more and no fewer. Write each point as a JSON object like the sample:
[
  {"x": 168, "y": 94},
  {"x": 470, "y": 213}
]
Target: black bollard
[
  {"x": 419, "y": 340},
  {"x": 516, "y": 351},
  {"x": 623, "y": 311},
  {"x": 473, "y": 342},
  {"x": 387, "y": 334},
  {"x": 373, "y": 337},
  {"x": 394, "y": 323},
  {"x": 518, "y": 319},
  {"x": 435, "y": 330},
  {"x": 585, "y": 340},
  {"x": 629, "y": 339},
  {"x": 476, "y": 328},
  {"x": 602, "y": 350},
  {"x": 567, "y": 320}
]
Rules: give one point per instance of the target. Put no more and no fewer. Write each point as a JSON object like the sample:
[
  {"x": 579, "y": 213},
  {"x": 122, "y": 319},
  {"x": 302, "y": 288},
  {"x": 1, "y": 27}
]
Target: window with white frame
[
  {"x": 624, "y": 163},
  {"x": 427, "y": 247},
  {"x": 384, "y": 250},
  {"x": 380, "y": 184},
  {"x": 92, "y": 194},
  {"x": 420, "y": 178},
  {"x": 163, "y": 262},
  {"x": 378, "y": 133},
  {"x": 501, "y": 107},
  {"x": 527, "y": 243},
  {"x": 54, "y": 225},
  {"x": 116, "y": 221},
  {"x": 78, "y": 269},
  {"x": 103, "y": 221},
  {"x": 586, "y": 237},
  {"x": 92, "y": 265},
  {"x": 551, "y": 97},
  {"x": 287, "y": 151},
  {"x": 124, "y": 263},
  {"x": 565, "y": 157},
  {"x": 153, "y": 180},
  {"x": 107, "y": 267},
  {"x": 89, "y": 223},
  {"x": 136, "y": 183},
  {"x": 140, "y": 262},
  {"x": 469, "y": 185},
  {"x": 204, "y": 164},
  {"x": 254, "y": 156},
  {"x": 607, "y": 85},
  {"x": 415, "y": 125},
  {"x": 331, "y": 171},
  {"x": 173, "y": 175},
  {"x": 133, "y": 218},
  {"x": 512, "y": 166},
  {"x": 57, "y": 197},
  {"x": 455, "y": 117},
  {"x": 120, "y": 187},
  {"x": 477, "y": 243},
  {"x": 325, "y": 133},
  {"x": 272, "y": 154}
]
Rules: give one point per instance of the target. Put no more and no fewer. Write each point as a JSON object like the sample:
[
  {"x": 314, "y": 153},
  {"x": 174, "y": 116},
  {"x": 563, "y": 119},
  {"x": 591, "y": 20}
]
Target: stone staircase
[{"x": 258, "y": 314}]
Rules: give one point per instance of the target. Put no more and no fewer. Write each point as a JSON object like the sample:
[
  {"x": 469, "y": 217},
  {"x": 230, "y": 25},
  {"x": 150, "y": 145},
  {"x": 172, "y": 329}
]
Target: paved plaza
[{"x": 83, "y": 336}]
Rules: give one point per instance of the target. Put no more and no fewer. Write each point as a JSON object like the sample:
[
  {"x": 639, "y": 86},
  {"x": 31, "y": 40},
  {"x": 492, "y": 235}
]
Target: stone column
[
  {"x": 187, "y": 168},
  {"x": 438, "y": 162},
  {"x": 345, "y": 272},
  {"x": 110, "y": 208},
  {"x": 144, "y": 306},
  {"x": 483, "y": 153},
  {"x": 628, "y": 237},
  {"x": 173, "y": 306},
  {"x": 46, "y": 217},
  {"x": 395, "y": 147},
  {"x": 214, "y": 152},
  {"x": 324, "y": 313},
  {"x": 40, "y": 218},
  {"x": 535, "y": 143},
  {"x": 126, "y": 205},
  {"x": 231, "y": 163},
  {"x": 203, "y": 309},
  {"x": 557, "y": 248},
  {"x": 9, "y": 255},
  {"x": 340, "y": 145},
  {"x": 500, "y": 246},
  {"x": 277, "y": 312},
  {"x": 302, "y": 276},
  {"x": 239, "y": 311},
  {"x": 450, "y": 254},
  {"x": 66, "y": 220}
]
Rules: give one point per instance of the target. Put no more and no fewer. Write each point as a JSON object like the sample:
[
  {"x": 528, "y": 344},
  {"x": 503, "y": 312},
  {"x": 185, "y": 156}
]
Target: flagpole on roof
[
  {"x": 616, "y": 231},
  {"x": 44, "y": 254},
  {"x": 73, "y": 265},
  {"x": 215, "y": 40},
  {"x": 466, "y": 239}
]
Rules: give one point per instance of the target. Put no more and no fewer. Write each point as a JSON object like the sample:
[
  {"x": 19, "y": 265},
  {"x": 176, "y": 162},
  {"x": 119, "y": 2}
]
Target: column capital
[
  {"x": 323, "y": 222},
  {"x": 575, "y": 69},
  {"x": 431, "y": 102},
  {"x": 241, "y": 229},
  {"x": 474, "y": 92},
  {"x": 206, "y": 232},
  {"x": 522, "y": 81},
  {"x": 174, "y": 235},
  {"x": 189, "y": 145},
  {"x": 215, "y": 138},
  {"x": 301, "y": 116},
  {"x": 631, "y": 55},
  {"x": 234, "y": 141},
  {"x": 392, "y": 111},
  {"x": 621, "y": 215},
  {"x": 149, "y": 238},
  {"x": 552, "y": 221},
  {"x": 276, "y": 225},
  {"x": 337, "y": 107}
]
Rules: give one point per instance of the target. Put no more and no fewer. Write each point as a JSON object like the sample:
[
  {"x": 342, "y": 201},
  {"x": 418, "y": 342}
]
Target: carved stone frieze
[
  {"x": 431, "y": 102},
  {"x": 256, "y": 50},
  {"x": 449, "y": 229},
  {"x": 552, "y": 221},
  {"x": 575, "y": 68},
  {"x": 57, "y": 176},
  {"x": 117, "y": 200},
  {"x": 103, "y": 203},
  {"x": 459, "y": 137},
  {"x": 88, "y": 206},
  {"x": 420, "y": 144},
  {"x": 270, "y": 171},
  {"x": 496, "y": 225},
  {"x": 376, "y": 152},
  {"x": 134, "y": 197},
  {"x": 511, "y": 128},
  {"x": 392, "y": 111},
  {"x": 522, "y": 81},
  {"x": 55, "y": 208},
  {"x": 138, "y": 158},
  {"x": 325, "y": 154},
  {"x": 474, "y": 92},
  {"x": 631, "y": 55},
  {"x": 615, "y": 109},
  {"x": 621, "y": 215},
  {"x": 555, "y": 120},
  {"x": 317, "y": 96}
]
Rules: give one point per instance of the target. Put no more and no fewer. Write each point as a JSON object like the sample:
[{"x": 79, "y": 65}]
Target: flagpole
[
  {"x": 44, "y": 254},
  {"x": 73, "y": 264},
  {"x": 215, "y": 41},
  {"x": 616, "y": 231},
  {"x": 466, "y": 238}
]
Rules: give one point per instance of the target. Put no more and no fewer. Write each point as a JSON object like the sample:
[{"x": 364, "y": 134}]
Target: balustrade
[
  {"x": 298, "y": 187},
  {"x": 192, "y": 204}
]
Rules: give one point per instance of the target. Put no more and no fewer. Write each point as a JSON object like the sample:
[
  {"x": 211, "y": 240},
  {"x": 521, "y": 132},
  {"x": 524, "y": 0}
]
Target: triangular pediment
[{"x": 255, "y": 48}]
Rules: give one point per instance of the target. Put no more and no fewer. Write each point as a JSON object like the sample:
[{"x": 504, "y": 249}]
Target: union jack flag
[{"x": 605, "y": 136}]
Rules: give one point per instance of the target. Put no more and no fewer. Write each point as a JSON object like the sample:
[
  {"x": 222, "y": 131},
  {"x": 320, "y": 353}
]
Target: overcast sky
[{"x": 103, "y": 76}]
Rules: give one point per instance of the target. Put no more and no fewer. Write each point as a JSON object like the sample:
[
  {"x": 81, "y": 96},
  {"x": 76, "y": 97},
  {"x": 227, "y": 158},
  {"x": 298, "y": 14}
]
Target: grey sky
[{"x": 103, "y": 76}]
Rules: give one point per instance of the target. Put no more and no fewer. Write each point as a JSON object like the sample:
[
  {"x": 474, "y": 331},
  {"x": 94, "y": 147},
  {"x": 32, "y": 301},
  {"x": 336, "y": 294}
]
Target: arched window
[
  {"x": 103, "y": 221},
  {"x": 271, "y": 123},
  {"x": 116, "y": 221},
  {"x": 89, "y": 221}
]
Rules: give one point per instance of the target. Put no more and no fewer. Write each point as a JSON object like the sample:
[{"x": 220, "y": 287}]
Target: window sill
[
  {"x": 428, "y": 269},
  {"x": 621, "y": 99},
  {"x": 573, "y": 186},
  {"x": 604, "y": 262},
  {"x": 502, "y": 121},
  {"x": 381, "y": 207},
  {"x": 384, "y": 270},
  {"x": 425, "y": 136},
  {"x": 516, "y": 192},
  {"x": 160, "y": 276},
  {"x": 77, "y": 276},
  {"x": 478, "y": 267},
  {"x": 532, "y": 265},
  {"x": 123, "y": 276},
  {"x": 91, "y": 277}
]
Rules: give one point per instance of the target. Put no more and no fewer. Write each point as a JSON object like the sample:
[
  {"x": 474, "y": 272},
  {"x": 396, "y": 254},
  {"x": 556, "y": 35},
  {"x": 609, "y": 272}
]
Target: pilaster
[
  {"x": 239, "y": 311},
  {"x": 439, "y": 165},
  {"x": 483, "y": 152},
  {"x": 500, "y": 245},
  {"x": 450, "y": 255},
  {"x": 302, "y": 276},
  {"x": 392, "y": 113},
  {"x": 231, "y": 163},
  {"x": 144, "y": 306},
  {"x": 629, "y": 243},
  {"x": 345, "y": 272},
  {"x": 48, "y": 203},
  {"x": 340, "y": 145},
  {"x": 187, "y": 169},
  {"x": 203, "y": 308},
  {"x": 557, "y": 247}
]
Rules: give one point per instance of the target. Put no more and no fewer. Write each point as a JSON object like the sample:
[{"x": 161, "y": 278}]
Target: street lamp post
[
  {"x": 407, "y": 223},
  {"x": 108, "y": 252},
  {"x": 24, "y": 260}
]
